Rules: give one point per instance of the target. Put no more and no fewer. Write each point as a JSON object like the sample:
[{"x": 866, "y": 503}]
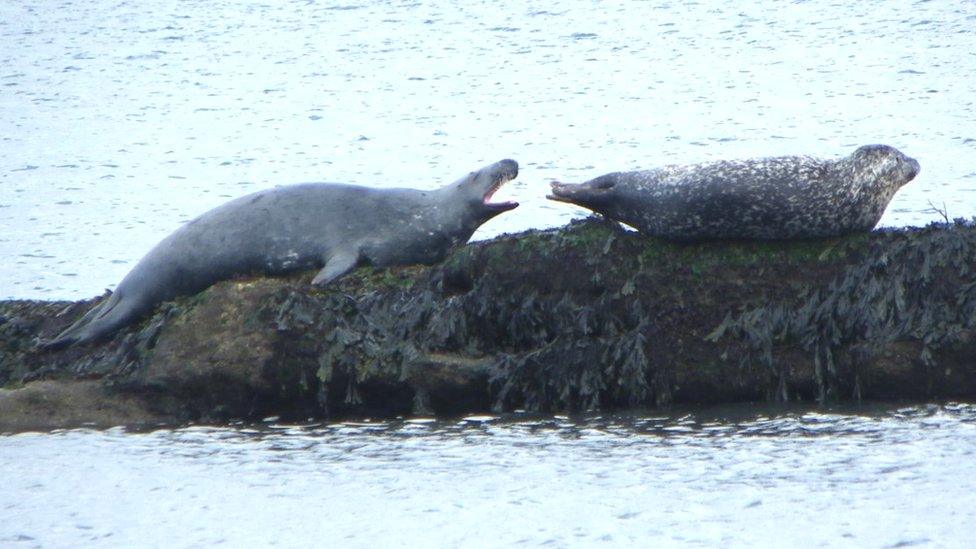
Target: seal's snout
[
  {"x": 912, "y": 169},
  {"x": 561, "y": 192},
  {"x": 594, "y": 190}
]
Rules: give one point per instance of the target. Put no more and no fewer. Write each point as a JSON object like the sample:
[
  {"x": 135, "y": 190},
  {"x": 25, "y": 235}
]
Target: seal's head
[
  {"x": 477, "y": 188},
  {"x": 885, "y": 165}
]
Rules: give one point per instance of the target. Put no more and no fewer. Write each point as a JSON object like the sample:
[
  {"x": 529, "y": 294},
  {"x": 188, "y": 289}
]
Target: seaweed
[{"x": 913, "y": 286}]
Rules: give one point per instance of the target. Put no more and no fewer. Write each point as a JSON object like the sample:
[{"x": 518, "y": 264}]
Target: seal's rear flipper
[
  {"x": 55, "y": 344},
  {"x": 101, "y": 320},
  {"x": 69, "y": 336},
  {"x": 338, "y": 264}
]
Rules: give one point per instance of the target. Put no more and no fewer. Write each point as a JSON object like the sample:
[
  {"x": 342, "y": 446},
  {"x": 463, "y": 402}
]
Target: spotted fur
[{"x": 786, "y": 197}]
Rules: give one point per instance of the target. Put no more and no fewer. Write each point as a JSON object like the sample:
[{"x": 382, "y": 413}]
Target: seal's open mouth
[{"x": 508, "y": 205}]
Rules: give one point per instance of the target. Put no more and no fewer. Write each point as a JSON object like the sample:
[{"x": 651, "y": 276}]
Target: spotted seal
[
  {"x": 330, "y": 226},
  {"x": 787, "y": 197}
]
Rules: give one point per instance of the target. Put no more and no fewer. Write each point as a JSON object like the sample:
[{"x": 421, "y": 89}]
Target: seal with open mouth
[
  {"x": 329, "y": 226},
  {"x": 787, "y": 197}
]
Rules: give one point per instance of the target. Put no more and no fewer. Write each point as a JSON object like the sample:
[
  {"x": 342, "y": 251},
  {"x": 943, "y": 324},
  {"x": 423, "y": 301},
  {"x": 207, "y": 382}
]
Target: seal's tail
[{"x": 100, "y": 321}]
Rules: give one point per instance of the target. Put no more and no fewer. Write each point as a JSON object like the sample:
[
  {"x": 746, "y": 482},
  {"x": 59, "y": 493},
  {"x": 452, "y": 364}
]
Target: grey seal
[
  {"x": 787, "y": 197},
  {"x": 331, "y": 226}
]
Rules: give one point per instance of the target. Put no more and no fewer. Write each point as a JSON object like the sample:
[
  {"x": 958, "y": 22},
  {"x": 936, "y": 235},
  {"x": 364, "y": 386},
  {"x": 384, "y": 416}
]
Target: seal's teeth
[
  {"x": 498, "y": 185},
  {"x": 565, "y": 187},
  {"x": 562, "y": 189}
]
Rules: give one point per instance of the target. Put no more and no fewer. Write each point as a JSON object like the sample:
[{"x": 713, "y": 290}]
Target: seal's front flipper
[{"x": 338, "y": 264}]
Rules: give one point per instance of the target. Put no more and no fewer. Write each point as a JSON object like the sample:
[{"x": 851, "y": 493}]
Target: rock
[
  {"x": 585, "y": 317},
  {"x": 52, "y": 404}
]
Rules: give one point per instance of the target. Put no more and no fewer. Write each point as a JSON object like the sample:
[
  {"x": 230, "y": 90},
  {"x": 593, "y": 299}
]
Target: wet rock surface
[{"x": 585, "y": 317}]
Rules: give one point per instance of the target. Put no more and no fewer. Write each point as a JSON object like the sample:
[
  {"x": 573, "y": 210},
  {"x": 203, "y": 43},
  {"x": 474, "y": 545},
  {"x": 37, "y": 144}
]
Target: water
[
  {"x": 120, "y": 120},
  {"x": 883, "y": 477}
]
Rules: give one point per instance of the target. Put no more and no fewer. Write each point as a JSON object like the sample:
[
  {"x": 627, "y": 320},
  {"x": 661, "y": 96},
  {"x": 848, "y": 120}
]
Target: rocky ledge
[{"x": 584, "y": 317}]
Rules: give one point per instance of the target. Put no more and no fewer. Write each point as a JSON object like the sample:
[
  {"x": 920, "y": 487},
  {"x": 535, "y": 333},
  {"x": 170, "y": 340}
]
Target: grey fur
[
  {"x": 325, "y": 225},
  {"x": 788, "y": 197}
]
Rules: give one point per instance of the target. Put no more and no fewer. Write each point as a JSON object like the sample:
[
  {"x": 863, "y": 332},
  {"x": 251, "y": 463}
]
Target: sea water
[{"x": 715, "y": 477}]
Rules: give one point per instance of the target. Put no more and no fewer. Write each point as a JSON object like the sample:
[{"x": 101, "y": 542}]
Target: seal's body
[
  {"x": 326, "y": 225},
  {"x": 790, "y": 197}
]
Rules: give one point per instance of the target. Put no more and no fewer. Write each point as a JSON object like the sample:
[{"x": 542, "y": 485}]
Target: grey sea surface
[
  {"x": 719, "y": 477},
  {"x": 121, "y": 120}
]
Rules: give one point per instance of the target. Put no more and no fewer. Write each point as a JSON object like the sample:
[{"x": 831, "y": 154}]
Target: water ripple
[{"x": 807, "y": 476}]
